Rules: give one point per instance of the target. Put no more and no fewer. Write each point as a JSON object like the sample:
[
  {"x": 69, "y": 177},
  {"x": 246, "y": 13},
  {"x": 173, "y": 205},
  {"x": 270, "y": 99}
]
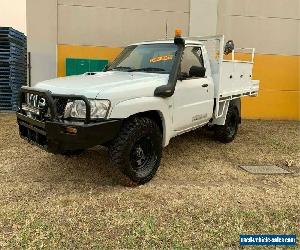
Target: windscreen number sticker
[{"x": 161, "y": 58}]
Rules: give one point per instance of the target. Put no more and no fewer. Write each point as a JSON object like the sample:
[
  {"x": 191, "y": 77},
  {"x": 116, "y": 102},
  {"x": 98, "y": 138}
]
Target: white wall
[
  {"x": 203, "y": 17},
  {"x": 42, "y": 38},
  {"x": 108, "y": 23},
  {"x": 120, "y": 22},
  {"x": 13, "y": 14},
  {"x": 270, "y": 26}
]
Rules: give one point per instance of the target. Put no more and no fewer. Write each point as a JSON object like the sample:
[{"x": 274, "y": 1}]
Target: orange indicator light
[
  {"x": 71, "y": 130},
  {"x": 178, "y": 32}
]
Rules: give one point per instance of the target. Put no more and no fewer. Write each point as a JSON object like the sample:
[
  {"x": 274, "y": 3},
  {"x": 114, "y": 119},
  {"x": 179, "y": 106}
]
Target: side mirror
[
  {"x": 229, "y": 47},
  {"x": 196, "y": 71}
]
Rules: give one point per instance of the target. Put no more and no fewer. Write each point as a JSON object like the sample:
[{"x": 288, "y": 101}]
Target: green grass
[
  {"x": 200, "y": 198},
  {"x": 188, "y": 229}
]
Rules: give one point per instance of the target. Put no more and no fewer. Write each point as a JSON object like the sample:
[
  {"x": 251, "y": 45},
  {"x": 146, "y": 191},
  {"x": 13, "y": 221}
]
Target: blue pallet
[
  {"x": 6, "y": 91},
  {"x": 2, "y": 93},
  {"x": 6, "y": 105},
  {"x": 17, "y": 82},
  {"x": 4, "y": 100},
  {"x": 5, "y": 97},
  {"x": 14, "y": 87},
  {"x": 13, "y": 46},
  {"x": 15, "y": 73},
  {"x": 10, "y": 34},
  {"x": 4, "y": 87},
  {"x": 12, "y": 81},
  {"x": 12, "y": 78},
  {"x": 7, "y": 109},
  {"x": 8, "y": 81},
  {"x": 6, "y": 66},
  {"x": 11, "y": 56},
  {"x": 18, "y": 68},
  {"x": 13, "y": 35},
  {"x": 9, "y": 40},
  {"x": 12, "y": 74},
  {"x": 13, "y": 60},
  {"x": 11, "y": 31},
  {"x": 16, "y": 78},
  {"x": 6, "y": 38},
  {"x": 12, "y": 69},
  {"x": 13, "y": 49}
]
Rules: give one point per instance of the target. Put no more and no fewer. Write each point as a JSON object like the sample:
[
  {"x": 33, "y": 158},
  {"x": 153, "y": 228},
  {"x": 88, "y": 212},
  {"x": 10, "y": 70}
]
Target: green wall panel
[{"x": 76, "y": 66}]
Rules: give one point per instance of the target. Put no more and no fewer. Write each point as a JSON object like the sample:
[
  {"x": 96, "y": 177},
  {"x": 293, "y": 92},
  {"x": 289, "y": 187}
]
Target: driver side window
[{"x": 192, "y": 57}]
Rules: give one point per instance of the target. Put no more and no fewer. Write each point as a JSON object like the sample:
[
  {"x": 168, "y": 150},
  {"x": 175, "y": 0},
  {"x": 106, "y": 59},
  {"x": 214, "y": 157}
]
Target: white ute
[{"x": 152, "y": 92}]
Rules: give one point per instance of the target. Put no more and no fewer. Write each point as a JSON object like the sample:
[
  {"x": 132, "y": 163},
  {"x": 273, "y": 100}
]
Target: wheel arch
[
  {"x": 237, "y": 103},
  {"x": 151, "y": 107},
  {"x": 232, "y": 103}
]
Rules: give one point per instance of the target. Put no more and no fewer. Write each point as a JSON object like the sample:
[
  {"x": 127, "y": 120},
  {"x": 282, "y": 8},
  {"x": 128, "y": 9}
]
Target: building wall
[
  {"x": 273, "y": 28},
  {"x": 99, "y": 29},
  {"x": 42, "y": 38},
  {"x": 203, "y": 17},
  {"x": 119, "y": 23}
]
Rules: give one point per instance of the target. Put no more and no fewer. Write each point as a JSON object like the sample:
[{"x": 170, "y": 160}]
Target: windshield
[{"x": 153, "y": 58}]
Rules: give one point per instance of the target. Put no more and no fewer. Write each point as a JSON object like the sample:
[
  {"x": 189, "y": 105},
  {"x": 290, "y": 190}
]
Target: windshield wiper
[
  {"x": 121, "y": 68},
  {"x": 149, "y": 69}
]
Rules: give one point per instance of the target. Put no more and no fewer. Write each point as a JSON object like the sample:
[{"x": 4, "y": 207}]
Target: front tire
[
  {"x": 137, "y": 150},
  {"x": 73, "y": 153},
  {"x": 227, "y": 132}
]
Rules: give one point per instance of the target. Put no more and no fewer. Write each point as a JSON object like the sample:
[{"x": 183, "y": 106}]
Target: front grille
[
  {"x": 35, "y": 106},
  {"x": 60, "y": 104},
  {"x": 43, "y": 106},
  {"x": 38, "y": 108}
]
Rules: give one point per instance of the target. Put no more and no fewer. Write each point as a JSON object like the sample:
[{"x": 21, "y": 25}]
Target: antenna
[{"x": 166, "y": 29}]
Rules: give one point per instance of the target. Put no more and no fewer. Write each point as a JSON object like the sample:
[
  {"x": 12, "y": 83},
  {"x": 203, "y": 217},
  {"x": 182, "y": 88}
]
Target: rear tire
[
  {"x": 227, "y": 132},
  {"x": 137, "y": 150}
]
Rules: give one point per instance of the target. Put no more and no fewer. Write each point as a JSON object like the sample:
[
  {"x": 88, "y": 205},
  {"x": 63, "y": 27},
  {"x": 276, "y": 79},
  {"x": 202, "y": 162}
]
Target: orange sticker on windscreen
[{"x": 161, "y": 58}]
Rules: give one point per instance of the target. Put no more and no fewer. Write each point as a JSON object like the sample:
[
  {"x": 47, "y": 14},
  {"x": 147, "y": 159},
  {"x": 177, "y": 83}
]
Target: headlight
[{"x": 77, "y": 109}]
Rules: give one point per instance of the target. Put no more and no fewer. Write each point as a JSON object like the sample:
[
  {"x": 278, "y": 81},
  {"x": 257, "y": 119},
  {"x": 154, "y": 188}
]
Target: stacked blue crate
[{"x": 13, "y": 66}]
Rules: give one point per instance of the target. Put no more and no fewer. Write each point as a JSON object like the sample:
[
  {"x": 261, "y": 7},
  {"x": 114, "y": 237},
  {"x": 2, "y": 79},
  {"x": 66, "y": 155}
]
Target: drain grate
[{"x": 265, "y": 170}]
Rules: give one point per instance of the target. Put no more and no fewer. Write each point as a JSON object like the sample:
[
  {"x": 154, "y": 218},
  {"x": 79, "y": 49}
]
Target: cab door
[{"x": 193, "y": 97}]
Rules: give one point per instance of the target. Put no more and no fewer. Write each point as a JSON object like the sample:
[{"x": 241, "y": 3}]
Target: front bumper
[
  {"x": 53, "y": 136},
  {"x": 58, "y": 135}
]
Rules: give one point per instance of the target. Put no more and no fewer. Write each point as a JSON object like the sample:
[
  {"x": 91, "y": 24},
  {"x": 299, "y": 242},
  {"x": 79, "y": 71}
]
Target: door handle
[{"x": 204, "y": 85}]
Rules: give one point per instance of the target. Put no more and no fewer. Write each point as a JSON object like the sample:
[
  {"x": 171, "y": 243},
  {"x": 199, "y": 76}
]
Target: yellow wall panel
[
  {"x": 275, "y": 71},
  {"x": 279, "y": 93},
  {"x": 279, "y": 105},
  {"x": 87, "y": 52}
]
